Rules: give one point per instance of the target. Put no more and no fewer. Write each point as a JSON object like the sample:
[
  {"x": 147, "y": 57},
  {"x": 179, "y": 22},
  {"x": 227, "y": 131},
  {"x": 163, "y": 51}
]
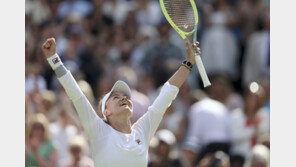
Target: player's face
[{"x": 119, "y": 103}]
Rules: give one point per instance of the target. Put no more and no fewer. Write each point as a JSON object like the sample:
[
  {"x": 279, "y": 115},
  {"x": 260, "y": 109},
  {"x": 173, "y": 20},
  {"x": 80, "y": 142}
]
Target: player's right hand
[{"x": 49, "y": 47}]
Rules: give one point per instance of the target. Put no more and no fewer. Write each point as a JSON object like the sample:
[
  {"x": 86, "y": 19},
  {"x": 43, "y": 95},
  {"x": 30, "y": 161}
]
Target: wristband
[
  {"x": 54, "y": 61},
  {"x": 187, "y": 64}
]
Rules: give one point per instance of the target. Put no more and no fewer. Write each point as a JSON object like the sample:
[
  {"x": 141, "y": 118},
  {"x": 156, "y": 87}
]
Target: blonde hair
[{"x": 41, "y": 119}]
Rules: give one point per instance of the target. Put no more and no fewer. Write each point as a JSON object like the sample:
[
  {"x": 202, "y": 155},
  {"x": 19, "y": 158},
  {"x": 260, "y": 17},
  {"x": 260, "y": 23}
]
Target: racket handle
[{"x": 202, "y": 71}]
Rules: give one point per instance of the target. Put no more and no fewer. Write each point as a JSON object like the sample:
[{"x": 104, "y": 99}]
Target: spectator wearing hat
[
  {"x": 61, "y": 131},
  {"x": 246, "y": 124},
  {"x": 77, "y": 152},
  {"x": 162, "y": 145},
  {"x": 40, "y": 151}
]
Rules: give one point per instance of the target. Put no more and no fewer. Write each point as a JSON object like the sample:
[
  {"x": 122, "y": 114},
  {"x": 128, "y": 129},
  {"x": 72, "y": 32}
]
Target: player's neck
[{"x": 121, "y": 125}]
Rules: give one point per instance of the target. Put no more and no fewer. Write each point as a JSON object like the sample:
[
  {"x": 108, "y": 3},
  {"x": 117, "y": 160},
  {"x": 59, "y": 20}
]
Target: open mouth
[{"x": 123, "y": 104}]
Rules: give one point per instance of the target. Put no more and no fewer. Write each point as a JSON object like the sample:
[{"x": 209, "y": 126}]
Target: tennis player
[{"x": 114, "y": 141}]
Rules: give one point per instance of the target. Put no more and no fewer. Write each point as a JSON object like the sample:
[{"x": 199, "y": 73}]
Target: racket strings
[{"x": 181, "y": 13}]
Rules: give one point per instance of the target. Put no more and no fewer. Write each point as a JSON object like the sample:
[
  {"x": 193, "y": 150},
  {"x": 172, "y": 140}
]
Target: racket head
[{"x": 181, "y": 14}]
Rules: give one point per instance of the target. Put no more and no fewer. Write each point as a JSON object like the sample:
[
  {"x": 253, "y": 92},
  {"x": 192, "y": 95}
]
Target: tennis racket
[{"x": 183, "y": 17}]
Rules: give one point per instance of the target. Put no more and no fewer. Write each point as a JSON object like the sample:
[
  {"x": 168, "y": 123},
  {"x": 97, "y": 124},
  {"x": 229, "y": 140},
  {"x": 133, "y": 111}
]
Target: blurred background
[{"x": 101, "y": 41}]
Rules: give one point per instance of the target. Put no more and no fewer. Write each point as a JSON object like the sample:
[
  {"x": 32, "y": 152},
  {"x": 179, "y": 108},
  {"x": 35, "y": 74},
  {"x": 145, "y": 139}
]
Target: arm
[
  {"x": 87, "y": 115},
  {"x": 181, "y": 74},
  {"x": 151, "y": 120}
]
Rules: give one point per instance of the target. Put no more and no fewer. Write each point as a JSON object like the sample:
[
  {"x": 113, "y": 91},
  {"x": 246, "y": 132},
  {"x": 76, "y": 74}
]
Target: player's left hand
[{"x": 190, "y": 53}]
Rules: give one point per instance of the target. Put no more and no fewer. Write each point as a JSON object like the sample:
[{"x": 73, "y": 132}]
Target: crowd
[{"x": 101, "y": 41}]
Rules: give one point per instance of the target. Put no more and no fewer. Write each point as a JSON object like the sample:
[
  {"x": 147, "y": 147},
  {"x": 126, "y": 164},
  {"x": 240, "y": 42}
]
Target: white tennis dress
[{"x": 111, "y": 148}]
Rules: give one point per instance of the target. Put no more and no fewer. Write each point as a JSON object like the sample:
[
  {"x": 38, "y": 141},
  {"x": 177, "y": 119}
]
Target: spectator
[
  {"x": 217, "y": 159},
  {"x": 144, "y": 39},
  {"x": 39, "y": 11},
  {"x": 162, "y": 146},
  {"x": 49, "y": 106},
  {"x": 248, "y": 16},
  {"x": 34, "y": 81},
  {"x": 219, "y": 46},
  {"x": 208, "y": 130},
  {"x": 40, "y": 150},
  {"x": 246, "y": 125},
  {"x": 175, "y": 118},
  {"x": 81, "y": 8},
  {"x": 222, "y": 90},
  {"x": 77, "y": 157},
  {"x": 259, "y": 157},
  {"x": 161, "y": 58},
  {"x": 118, "y": 9},
  {"x": 256, "y": 63},
  {"x": 148, "y": 12},
  {"x": 60, "y": 132}
]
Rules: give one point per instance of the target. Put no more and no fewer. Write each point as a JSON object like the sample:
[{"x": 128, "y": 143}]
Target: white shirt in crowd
[
  {"x": 60, "y": 137},
  {"x": 209, "y": 121},
  {"x": 241, "y": 135},
  {"x": 110, "y": 147}
]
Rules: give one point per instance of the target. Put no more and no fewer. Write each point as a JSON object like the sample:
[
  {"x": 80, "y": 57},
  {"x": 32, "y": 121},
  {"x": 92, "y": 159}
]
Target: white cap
[
  {"x": 119, "y": 86},
  {"x": 166, "y": 136}
]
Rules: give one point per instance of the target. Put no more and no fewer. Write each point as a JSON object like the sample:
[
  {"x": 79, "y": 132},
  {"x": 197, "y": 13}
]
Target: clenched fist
[{"x": 49, "y": 47}]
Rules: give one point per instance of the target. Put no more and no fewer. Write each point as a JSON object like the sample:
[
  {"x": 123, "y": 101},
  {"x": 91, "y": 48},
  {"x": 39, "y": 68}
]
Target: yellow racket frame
[{"x": 182, "y": 33}]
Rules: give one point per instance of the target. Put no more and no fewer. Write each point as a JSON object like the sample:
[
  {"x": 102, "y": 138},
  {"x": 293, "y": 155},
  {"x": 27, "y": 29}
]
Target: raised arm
[
  {"x": 180, "y": 75},
  {"x": 86, "y": 113},
  {"x": 151, "y": 120}
]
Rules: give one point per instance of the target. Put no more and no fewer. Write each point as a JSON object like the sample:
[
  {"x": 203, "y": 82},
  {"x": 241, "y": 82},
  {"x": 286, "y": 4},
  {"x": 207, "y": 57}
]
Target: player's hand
[
  {"x": 49, "y": 47},
  {"x": 190, "y": 53}
]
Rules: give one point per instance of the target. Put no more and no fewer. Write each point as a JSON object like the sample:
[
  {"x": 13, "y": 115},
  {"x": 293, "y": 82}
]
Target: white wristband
[{"x": 54, "y": 61}]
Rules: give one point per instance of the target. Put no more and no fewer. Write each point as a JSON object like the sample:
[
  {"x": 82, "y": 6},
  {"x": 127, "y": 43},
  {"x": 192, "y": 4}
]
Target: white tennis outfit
[{"x": 111, "y": 148}]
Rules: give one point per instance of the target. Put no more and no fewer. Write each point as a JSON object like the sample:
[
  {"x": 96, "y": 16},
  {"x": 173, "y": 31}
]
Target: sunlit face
[{"x": 118, "y": 103}]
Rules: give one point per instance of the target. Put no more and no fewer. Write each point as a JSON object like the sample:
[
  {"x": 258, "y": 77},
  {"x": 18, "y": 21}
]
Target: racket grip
[{"x": 202, "y": 71}]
